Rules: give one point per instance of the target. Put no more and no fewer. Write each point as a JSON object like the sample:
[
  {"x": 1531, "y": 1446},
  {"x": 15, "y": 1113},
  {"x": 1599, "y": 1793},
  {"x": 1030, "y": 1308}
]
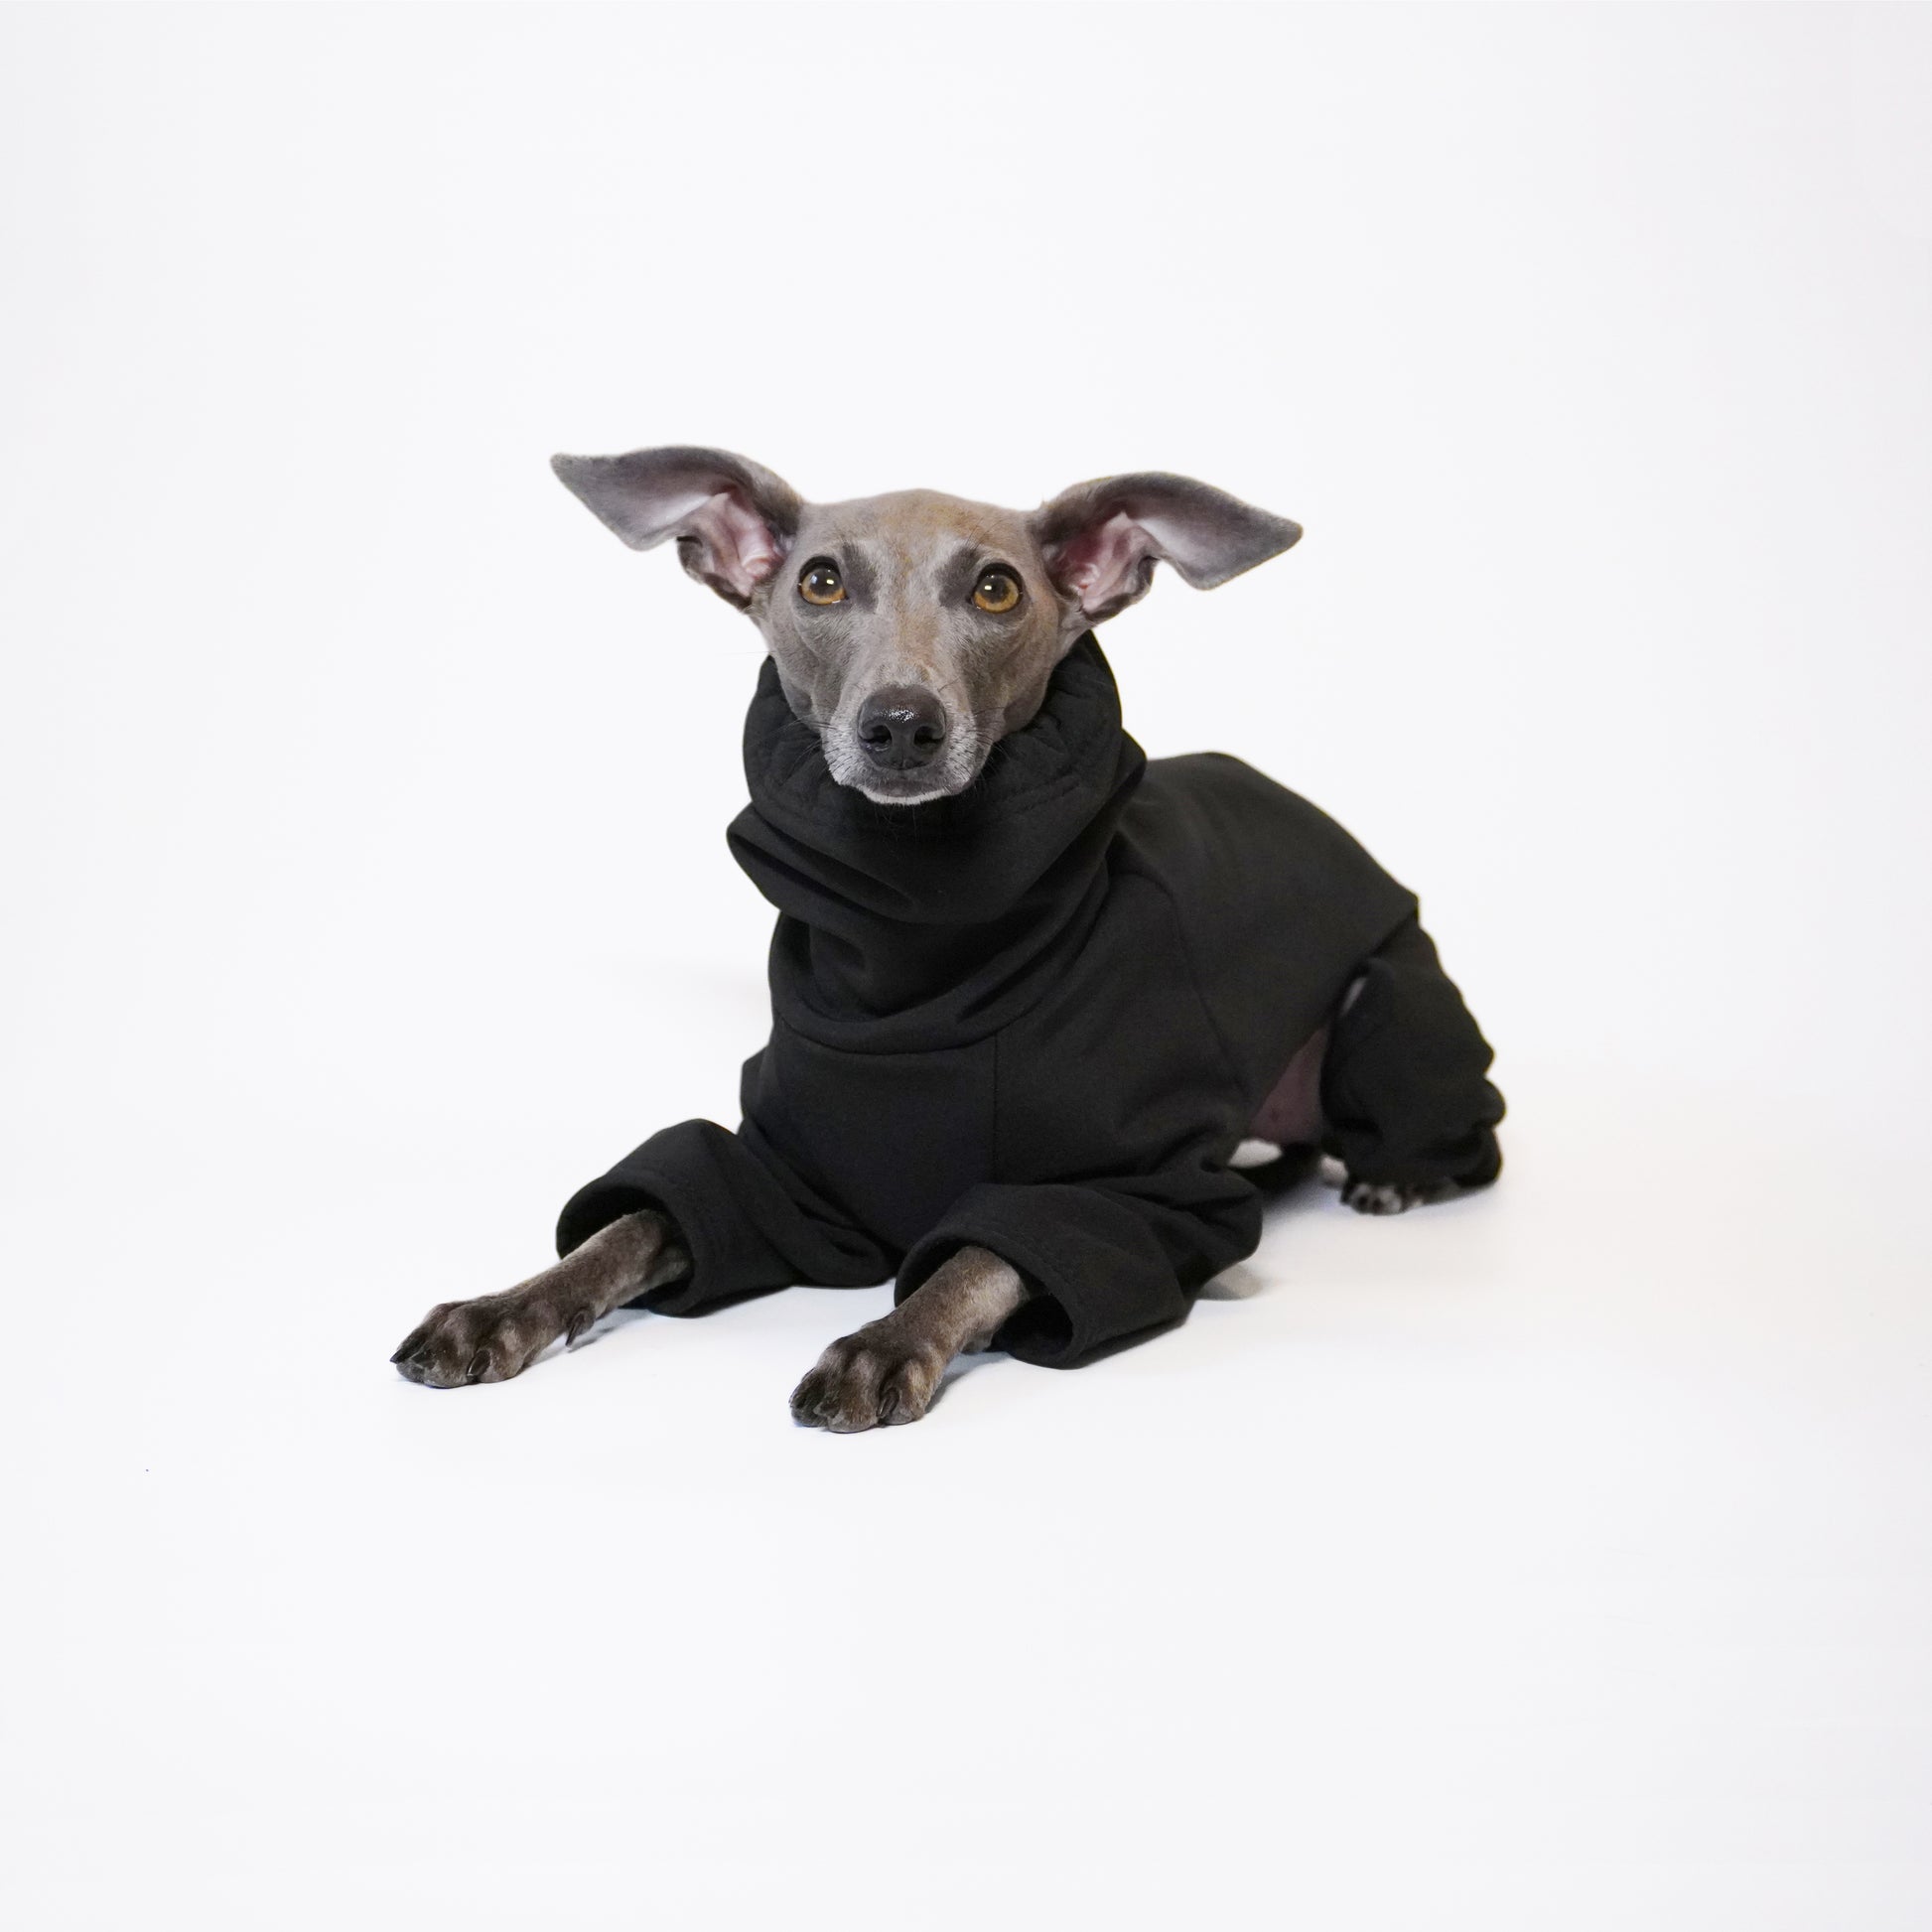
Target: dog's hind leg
[
  {"x": 889, "y": 1371},
  {"x": 1407, "y": 1107}
]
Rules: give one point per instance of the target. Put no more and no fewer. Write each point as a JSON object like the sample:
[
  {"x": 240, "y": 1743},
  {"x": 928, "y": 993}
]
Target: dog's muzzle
[{"x": 901, "y": 727}]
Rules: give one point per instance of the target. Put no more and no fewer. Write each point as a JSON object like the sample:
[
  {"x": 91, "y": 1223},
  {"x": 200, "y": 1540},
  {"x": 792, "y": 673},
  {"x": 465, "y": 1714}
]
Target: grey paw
[
  {"x": 1384, "y": 1198},
  {"x": 489, "y": 1340},
  {"x": 869, "y": 1380}
]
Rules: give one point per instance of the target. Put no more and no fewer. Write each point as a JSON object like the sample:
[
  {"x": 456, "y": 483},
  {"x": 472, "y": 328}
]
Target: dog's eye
[
  {"x": 822, "y": 584},
  {"x": 997, "y": 591}
]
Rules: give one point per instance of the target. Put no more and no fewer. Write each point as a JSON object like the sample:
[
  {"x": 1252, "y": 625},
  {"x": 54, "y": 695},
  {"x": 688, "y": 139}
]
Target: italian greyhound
[{"x": 913, "y": 633}]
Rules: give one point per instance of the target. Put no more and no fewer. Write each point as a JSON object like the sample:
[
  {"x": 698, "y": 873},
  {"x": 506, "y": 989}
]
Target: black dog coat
[{"x": 1040, "y": 1017}]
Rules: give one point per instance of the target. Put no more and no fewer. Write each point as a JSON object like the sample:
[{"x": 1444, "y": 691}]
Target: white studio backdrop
[{"x": 363, "y": 862}]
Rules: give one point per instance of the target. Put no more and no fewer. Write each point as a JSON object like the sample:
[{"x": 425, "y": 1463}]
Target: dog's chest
[
  {"x": 891, "y": 1138},
  {"x": 1110, "y": 1071}
]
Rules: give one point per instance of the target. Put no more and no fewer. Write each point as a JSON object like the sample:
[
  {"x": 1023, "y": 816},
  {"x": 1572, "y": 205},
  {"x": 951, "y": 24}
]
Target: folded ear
[
  {"x": 732, "y": 520},
  {"x": 1101, "y": 540}
]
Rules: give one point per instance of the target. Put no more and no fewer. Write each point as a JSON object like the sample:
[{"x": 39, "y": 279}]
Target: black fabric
[
  {"x": 1039, "y": 1017},
  {"x": 1403, "y": 1092}
]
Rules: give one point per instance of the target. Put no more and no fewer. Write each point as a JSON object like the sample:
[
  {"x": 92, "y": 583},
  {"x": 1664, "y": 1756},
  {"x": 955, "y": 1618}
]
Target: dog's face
[{"x": 913, "y": 632}]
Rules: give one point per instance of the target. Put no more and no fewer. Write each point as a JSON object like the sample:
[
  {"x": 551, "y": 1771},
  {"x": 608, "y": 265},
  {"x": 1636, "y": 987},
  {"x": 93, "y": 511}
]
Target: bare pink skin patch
[{"x": 1290, "y": 1116}]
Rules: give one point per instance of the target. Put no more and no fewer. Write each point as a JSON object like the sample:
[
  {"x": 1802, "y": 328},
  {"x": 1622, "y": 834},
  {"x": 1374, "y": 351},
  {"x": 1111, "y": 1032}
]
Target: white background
[{"x": 1560, "y": 1558}]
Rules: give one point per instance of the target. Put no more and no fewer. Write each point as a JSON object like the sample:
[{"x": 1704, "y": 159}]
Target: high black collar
[{"x": 914, "y": 927}]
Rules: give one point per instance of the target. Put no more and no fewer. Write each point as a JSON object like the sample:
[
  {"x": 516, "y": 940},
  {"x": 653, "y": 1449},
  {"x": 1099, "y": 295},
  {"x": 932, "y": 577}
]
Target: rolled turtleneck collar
[{"x": 910, "y": 927}]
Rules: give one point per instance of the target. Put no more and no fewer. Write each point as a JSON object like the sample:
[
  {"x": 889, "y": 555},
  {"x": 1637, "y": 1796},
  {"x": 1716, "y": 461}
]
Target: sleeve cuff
[
  {"x": 626, "y": 1189},
  {"x": 1098, "y": 1282}
]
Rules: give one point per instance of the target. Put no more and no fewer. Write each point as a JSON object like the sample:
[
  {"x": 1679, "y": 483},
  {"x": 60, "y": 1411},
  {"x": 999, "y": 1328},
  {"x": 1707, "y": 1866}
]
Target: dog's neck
[{"x": 909, "y": 929}]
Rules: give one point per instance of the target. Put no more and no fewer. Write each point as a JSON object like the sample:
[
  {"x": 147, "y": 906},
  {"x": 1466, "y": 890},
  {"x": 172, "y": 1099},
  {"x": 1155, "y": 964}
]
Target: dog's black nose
[{"x": 902, "y": 727}]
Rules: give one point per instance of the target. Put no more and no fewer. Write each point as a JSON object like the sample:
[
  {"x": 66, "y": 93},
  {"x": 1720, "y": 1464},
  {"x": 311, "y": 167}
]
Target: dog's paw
[
  {"x": 1384, "y": 1198},
  {"x": 869, "y": 1380},
  {"x": 489, "y": 1340}
]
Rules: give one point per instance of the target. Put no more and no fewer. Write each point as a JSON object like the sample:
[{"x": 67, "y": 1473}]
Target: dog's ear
[
  {"x": 1101, "y": 540},
  {"x": 734, "y": 520}
]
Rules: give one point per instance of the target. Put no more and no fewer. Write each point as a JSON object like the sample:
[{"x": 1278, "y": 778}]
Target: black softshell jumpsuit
[{"x": 1040, "y": 1017}]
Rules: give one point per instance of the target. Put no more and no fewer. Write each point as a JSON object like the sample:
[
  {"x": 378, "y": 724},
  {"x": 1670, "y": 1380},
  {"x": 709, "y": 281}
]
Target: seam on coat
[
  {"x": 1221, "y": 1046},
  {"x": 993, "y": 1164}
]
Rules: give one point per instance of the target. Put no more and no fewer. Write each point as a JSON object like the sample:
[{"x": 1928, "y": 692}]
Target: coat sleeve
[
  {"x": 749, "y": 1221},
  {"x": 1108, "y": 1262}
]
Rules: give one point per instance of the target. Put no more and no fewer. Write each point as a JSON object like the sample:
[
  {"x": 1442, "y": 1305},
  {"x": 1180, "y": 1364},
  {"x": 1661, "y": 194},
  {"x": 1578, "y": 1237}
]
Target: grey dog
[{"x": 913, "y": 633}]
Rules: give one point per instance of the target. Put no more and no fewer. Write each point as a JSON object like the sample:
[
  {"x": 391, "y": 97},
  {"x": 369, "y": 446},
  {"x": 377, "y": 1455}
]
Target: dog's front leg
[
  {"x": 889, "y": 1371},
  {"x": 496, "y": 1336}
]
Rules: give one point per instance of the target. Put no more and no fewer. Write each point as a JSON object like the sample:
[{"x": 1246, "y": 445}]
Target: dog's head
[{"x": 913, "y": 632}]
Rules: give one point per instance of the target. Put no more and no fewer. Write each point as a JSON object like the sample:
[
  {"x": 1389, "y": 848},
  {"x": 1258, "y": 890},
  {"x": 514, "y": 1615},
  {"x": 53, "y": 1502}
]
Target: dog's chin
[{"x": 912, "y": 793}]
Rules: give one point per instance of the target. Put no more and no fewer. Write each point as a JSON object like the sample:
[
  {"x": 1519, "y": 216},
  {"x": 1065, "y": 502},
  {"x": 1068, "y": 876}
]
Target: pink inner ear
[
  {"x": 739, "y": 547},
  {"x": 1099, "y": 563}
]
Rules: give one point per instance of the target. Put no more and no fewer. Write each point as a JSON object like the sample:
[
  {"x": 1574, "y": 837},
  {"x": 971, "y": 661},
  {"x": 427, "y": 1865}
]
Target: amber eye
[
  {"x": 997, "y": 591},
  {"x": 822, "y": 584}
]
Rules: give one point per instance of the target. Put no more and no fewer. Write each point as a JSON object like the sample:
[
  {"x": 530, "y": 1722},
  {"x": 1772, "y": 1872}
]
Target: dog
[{"x": 1048, "y": 1017}]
